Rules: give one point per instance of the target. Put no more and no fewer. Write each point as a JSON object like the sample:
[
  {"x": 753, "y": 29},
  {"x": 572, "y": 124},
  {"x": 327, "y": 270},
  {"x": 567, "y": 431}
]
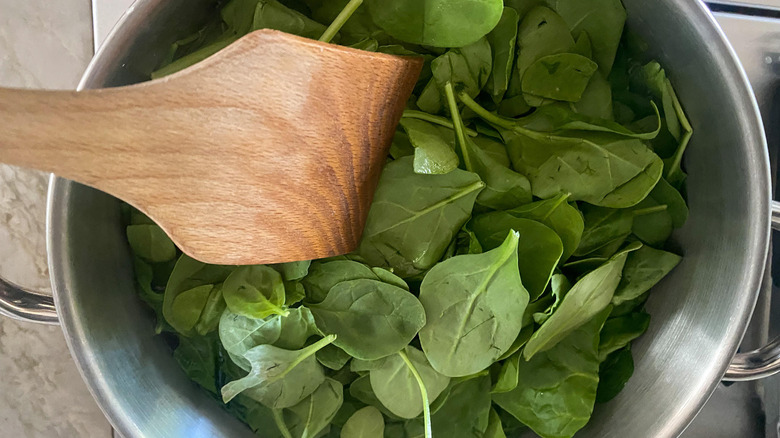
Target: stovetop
[{"x": 748, "y": 409}]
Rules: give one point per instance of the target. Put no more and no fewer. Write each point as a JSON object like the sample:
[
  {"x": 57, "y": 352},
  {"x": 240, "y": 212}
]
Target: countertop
[{"x": 43, "y": 44}]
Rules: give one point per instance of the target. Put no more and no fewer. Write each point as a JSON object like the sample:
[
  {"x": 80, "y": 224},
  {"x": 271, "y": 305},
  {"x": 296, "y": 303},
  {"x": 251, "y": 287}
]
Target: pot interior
[{"x": 699, "y": 312}]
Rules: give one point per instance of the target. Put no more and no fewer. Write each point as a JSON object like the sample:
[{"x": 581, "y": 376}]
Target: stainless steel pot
[{"x": 699, "y": 313}]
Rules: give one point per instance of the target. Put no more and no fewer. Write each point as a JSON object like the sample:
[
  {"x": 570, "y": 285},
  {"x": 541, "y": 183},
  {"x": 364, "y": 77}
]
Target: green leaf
[
  {"x": 365, "y": 423},
  {"x": 558, "y": 215},
  {"x": 313, "y": 414},
  {"x": 619, "y": 332},
  {"x": 542, "y": 32},
  {"x": 438, "y": 23},
  {"x": 415, "y": 217},
  {"x": 468, "y": 68},
  {"x": 293, "y": 271},
  {"x": 589, "y": 296},
  {"x": 538, "y": 250},
  {"x": 603, "y": 20},
  {"x": 270, "y": 14},
  {"x": 372, "y": 319},
  {"x": 644, "y": 268},
  {"x": 503, "y": 42},
  {"x": 495, "y": 428},
  {"x": 279, "y": 378},
  {"x": 508, "y": 376},
  {"x": 396, "y": 387},
  {"x": 466, "y": 410},
  {"x": 295, "y": 328},
  {"x": 557, "y": 390},
  {"x": 333, "y": 357},
  {"x": 193, "y": 297},
  {"x": 433, "y": 153},
  {"x": 604, "y": 227},
  {"x": 563, "y": 76},
  {"x": 652, "y": 224},
  {"x": 240, "y": 334},
  {"x": 560, "y": 287},
  {"x": 324, "y": 275},
  {"x": 151, "y": 243},
  {"x": 614, "y": 373},
  {"x": 198, "y": 358},
  {"x": 361, "y": 390},
  {"x": 255, "y": 292},
  {"x": 596, "y": 100},
  {"x": 472, "y": 303}
]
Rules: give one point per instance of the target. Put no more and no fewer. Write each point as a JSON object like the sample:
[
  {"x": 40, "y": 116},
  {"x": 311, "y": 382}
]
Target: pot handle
[
  {"x": 25, "y": 305},
  {"x": 765, "y": 361}
]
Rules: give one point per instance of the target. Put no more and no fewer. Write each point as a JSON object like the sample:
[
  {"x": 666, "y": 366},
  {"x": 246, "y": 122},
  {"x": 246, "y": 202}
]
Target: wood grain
[{"x": 267, "y": 152}]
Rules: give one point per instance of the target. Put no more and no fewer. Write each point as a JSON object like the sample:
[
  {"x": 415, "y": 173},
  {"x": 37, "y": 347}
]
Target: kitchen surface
[{"x": 47, "y": 44}]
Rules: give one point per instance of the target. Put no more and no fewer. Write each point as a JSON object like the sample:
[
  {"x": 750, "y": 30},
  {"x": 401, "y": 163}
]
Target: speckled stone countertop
[{"x": 43, "y": 44}]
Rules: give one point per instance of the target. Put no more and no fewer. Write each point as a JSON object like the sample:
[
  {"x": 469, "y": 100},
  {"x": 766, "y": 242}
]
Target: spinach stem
[
  {"x": 340, "y": 20},
  {"x": 650, "y": 210},
  {"x": 458, "y": 124},
  {"x": 308, "y": 351},
  {"x": 436, "y": 120},
  {"x": 279, "y": 420},
  {"x": 499, "y": 121},
  {"x": 423, "y": 393}
]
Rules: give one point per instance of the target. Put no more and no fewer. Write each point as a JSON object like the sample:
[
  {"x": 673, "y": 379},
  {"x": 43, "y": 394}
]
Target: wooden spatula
[{"x": 267, "y": 152}]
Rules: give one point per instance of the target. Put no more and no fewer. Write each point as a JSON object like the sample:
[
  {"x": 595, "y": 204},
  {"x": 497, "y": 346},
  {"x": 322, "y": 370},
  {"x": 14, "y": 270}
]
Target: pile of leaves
[{"x": 517, "y": 229}]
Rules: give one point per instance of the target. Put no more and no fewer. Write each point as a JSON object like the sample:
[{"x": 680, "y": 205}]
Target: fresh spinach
[
  {"x": 255, "y": 292},
  {"x": 314, "y": 413},
  {"x": 560, "y": 216},
  {"x": 365, "y": 423}
]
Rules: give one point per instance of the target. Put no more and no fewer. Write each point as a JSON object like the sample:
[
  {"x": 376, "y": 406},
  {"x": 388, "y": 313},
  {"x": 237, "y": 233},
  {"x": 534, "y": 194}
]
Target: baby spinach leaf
[
  {"x": 508, "y": 376},
  {"x": 151, "y": 243},
  {"x": 583, "y": 46},
  {"x": 466, "y": 411},
  {"x": 604, "y": 227},
  {"x": 365, "y": 423},
  {"x": 468, "y": 68},
  {"x": 503, "y": 40},
  {"x": 563, "y": 76},
  {"x": 433, "y": 153},
  {"x": 279, "y": 378},
  {"x": 644, "y": 268},
  {"x": 295, "y": 328},
  {"x": 388, "y": 277},
  {"x": 198, "y": 358},
  {"x": 665, "y": 194},
  {"x": 333, "y": 357},
  {"x": 361, "y": 390},
  {"x": 614, "y": 373},
  {"x": 239, "y": 334},
  {"x": 560, "y": 216},
  {"x": 372, "y": 319},
  {"x": 603, "y": 20},
  {"x": 359, "y": 27},
  {"x": 293, "y": 271},
  {"x": 560, "y": 286},
  {"x": 270, "y": 14},
  {"x": 294, "y": 293},
  {"x": 415, "y": 217},
  {"x": 480, "y": 297},
  {"x": 324, "y": 275},
  {"x": 542, "y": 32},
  {"x": 596, "y": 100},
  {"x": 589, "y": 296},
  {"x": 619, "y": 332},
  {"x": 652, "y": 223},
  {"x": 495, "y": 428},
  {"x": 255, "y": 292},
  {"x": 538, "y": 250},
  {"x": 314, "y": 413},
  {"x": 193, "y": 296},
  {"x": 396, "y": 387},
  {"x": 557, "y": 389},
  {"x": 438, "y": 23}
]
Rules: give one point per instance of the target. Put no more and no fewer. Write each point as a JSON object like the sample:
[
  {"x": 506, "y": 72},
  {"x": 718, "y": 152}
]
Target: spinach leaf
[
  {"x": 542, "y": 32},
  {"x": 503, "y": 41},
  {"x": 538, "y": 250},
  {"x": 468, "y": 67},
  {"x": 603, "y": 20},
  {"x": 270, "y": 14},
  {"x": 293, "y": 271},
  {"x": 255, "y": 292},
  {"x": 563, "y": 76},
  {"x": 198, "y": 358},
  {"x": 240, "y": 334},
  {"x": 415, "y": 217},
  {"x": 560, "y": 287},
  {"x": 372, "y": 319},
  {"x": 508, "y": 376},
  {"x": 279, "y": 378},
  {"x": 324, "y": 275},
  {"x": 652, "y": 223},
  {"x": 150, "y": 243},
  {"x": 614, "y": 373},
  {"x": 495, "y": 428},
  {"x": 333, "y": 357},
  {"x": 589, "y": 296},
  {"x": 295, "y": 328},
  {"x": 604, "y": 227},
  {"x": 193, "y": 297},
  {"x": 478, "y": 295},
  {"x": 619, "y": 332},
  {"x": 438, "y": 23},
  {"x": 466, "y": 411},
  {"x": 365, "y": 423},
  {"x": 396, "y": 387},
  {"x": 644, "y": 268},
  {"x": 361, "y": 390},
  {"x": 558, "y": 215},
  {"x": 596, "y": 100},
  {"x": 557, "y": 389},
  {"x": 313, "y": 414},
  {"x": 433, "y": 153}
]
